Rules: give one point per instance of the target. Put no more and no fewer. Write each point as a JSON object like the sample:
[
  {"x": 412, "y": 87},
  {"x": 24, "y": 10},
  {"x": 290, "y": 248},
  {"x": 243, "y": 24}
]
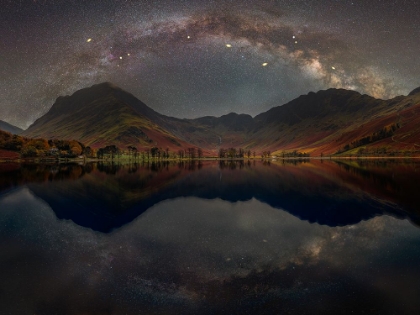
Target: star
[{"x": 303, "y": 50}]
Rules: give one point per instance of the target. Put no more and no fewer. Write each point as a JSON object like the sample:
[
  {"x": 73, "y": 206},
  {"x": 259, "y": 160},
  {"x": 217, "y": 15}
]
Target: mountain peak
[
  {"x": 100, "y": 88},
  {"x": 106, "y": 84},
  {"x": 94, "y": 90}
]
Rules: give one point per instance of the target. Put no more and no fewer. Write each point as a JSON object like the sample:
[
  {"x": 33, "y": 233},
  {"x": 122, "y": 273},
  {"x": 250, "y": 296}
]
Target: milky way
[{"x": 196, "y": 58}]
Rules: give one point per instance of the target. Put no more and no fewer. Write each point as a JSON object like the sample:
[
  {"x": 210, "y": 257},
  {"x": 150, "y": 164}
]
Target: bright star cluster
[{"x": 196, "y": 58}]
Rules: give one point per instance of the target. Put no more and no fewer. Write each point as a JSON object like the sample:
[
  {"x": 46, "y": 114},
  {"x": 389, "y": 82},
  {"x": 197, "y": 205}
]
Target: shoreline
[{"x": 96, "y": 160}]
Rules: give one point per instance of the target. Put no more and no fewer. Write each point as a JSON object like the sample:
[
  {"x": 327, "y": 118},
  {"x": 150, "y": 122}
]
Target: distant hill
[
  {"x": 326, "y": 122},
  {"x": 10, "y": 128}
]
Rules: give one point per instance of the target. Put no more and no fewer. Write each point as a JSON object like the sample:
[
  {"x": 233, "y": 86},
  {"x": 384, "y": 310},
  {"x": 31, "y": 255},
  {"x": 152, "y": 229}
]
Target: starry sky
[{"x": 194, "y": 58}]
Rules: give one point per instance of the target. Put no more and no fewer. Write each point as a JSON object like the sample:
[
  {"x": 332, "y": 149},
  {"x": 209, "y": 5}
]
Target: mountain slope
[
  {"x": 317, "y": 122},
  {"x": 211, "y": 133},
  {"x": 9, "y": 128}
]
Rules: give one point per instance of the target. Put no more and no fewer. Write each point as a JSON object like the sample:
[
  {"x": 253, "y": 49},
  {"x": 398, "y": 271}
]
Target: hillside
[
  {"x": 326, "y": 122},
  {"x": 9, "y": 128}
]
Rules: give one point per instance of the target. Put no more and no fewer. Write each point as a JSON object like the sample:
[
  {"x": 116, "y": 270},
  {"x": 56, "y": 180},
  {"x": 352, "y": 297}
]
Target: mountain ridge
[
  {"x": 105, "y": 114},
  {"x": 5, "y": 126}
]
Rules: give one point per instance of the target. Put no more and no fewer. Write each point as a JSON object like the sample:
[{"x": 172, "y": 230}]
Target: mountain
[
  {"x": 329, "y": 120},
  {"x": 317, "y": 123},
  {"x": 324, "y": 123},
  {"x": 10, "y": 128},
  {"x": 101, "y": 115}
]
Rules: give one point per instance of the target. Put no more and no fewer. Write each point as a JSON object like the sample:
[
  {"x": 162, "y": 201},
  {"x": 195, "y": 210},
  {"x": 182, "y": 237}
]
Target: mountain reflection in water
[
  {"x": 228, "y": 237},
  {"x": 107, "y": 196}
]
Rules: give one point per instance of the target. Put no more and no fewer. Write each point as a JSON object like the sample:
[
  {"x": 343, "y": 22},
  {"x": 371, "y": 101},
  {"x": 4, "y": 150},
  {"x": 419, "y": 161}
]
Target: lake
[{"x": 211, "y": 237}]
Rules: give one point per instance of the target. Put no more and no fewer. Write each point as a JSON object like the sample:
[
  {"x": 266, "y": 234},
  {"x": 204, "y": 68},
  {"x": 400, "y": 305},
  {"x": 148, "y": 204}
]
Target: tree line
[
  {"x": 386, "y": 132},
  {"x": 233, "y": 153},
  {"x": 39, "y": 147},
  {"x": 153, "y": 153},
  {"x": 55, "y": 148}
]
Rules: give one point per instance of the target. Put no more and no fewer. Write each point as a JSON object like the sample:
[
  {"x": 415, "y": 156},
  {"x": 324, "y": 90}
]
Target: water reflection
[
  {"x": 107, "y": 196},
  {"x": 193, "y": 255},
  {"x": 209, "y": 238}
]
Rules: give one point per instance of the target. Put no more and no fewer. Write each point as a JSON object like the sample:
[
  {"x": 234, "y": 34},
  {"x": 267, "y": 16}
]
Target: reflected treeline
[
  {"x": 362, "y": 170},
  {"x": 24, "y": 173},
  {"x": 381, "y": 163},
  {"x": 155, "y": 166},
  {"x": 327, "y": 192},
  {"x": 295, "y": 161},
  {"x": 20, "y": 173},
  {"x": 109, "y": 168},
  {"x": 234, "y": 164},
  {"x": 240, "y": 164},
  {"x": 16, "y": 174}
]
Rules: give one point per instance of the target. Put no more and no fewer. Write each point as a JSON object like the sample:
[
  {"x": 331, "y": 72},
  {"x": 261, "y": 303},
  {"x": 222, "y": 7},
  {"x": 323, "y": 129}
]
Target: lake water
[{"x": 309, "y": 237}]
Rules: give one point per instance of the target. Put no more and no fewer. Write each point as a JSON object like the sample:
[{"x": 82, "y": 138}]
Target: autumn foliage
[{"x": 28, "y": 147}]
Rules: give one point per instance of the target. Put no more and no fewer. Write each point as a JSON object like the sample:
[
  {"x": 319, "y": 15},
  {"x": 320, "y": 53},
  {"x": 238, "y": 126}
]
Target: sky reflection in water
[{"x": 210, "y": 238}]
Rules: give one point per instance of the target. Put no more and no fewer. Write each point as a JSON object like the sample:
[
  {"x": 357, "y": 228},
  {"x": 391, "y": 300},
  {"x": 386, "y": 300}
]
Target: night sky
[{"x": 195, "y": 58}]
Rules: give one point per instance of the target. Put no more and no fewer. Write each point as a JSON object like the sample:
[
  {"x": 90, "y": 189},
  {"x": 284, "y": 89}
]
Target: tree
[
  {"x": 129, "y": 151},
  {"x": 14, "y": 144},
  {"x": 75, "y": 150},
  {"x": 181, "y": 154},
  {"x": 191, "y": 153},
  {"x": 200, "y": 153},
  {"x": 89, "y": 152},
  {"x": 100, "y": 153},
  {"x": 111, "y": 150},
  {"x": 135, "y": 152},
  {"x": 154, "y": 151},
  {"x": 231, "y": 153},
  {"x": 29, "y": 151}
]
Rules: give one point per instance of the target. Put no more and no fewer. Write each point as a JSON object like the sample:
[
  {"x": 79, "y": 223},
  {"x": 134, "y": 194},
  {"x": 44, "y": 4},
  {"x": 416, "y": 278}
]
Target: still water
[{"x": 309, "y": 237}]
